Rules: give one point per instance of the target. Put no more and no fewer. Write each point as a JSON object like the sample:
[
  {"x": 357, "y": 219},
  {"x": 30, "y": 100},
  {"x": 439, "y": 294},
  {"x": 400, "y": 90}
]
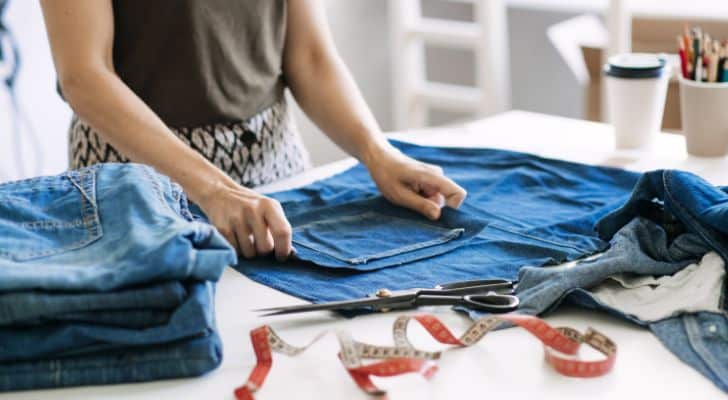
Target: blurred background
[{"x": 418, "y": 63}]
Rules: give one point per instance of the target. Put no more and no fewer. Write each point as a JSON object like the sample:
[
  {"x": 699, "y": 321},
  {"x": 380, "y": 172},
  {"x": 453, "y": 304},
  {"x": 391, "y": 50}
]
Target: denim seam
[
  {"x": 445, "y": 235},
  {"x": 704, "y": 234},
  {"x": 692, "y": 328},
  {"x": 568, "y": 246},
  {"x": 157, "y": 187},
  {"x": 51, "y": 224},
  {"x": 446, "y": 238},
  {"x": 366, "y": 215},
  {"x": 57, "y": 369},
  {"x": 89, "y": 215},
  {"x": 80, "y": 185}
]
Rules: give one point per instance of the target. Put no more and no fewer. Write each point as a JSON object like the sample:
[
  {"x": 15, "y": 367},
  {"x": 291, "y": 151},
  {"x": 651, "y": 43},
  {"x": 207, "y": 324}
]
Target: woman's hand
[
  {"x": 413, "y": 184},
  {"x": 255, "y": 225}
]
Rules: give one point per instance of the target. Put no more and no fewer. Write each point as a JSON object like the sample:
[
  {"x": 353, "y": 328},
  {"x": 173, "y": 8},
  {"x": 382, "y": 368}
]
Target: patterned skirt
[{"x": 256, "y": 151}]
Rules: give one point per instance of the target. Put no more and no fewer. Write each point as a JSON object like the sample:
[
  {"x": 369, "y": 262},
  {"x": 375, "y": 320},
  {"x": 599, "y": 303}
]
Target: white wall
[{"x": 49, "y": 115}]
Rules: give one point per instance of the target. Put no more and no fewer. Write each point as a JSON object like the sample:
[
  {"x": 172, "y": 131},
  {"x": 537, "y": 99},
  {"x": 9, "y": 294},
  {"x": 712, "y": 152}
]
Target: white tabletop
[{"x": 506, "y": 363}]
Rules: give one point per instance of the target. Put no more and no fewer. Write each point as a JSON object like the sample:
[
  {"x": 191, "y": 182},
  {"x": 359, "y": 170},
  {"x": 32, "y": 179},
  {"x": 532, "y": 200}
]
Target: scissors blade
[
  {"x": 378, "y": 302},
  {"x": 476, "y": 283}
]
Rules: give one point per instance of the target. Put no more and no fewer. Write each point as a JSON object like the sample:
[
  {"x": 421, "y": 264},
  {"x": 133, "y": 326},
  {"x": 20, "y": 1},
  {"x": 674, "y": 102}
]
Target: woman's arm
[
  {"x": 81, "y": 34},
  {"x": 324, "y": 88}
]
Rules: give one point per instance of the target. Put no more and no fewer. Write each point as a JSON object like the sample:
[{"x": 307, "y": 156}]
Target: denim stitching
[
  {"x": 366, "y": 215},
  {"x": 58, "y": 369},
  {"x": 51, "y": 224},
  {"x": 688, "y": 217},
  {"x": 449, "y": 236},
  {"x": 568, "y": 246},
  {"x": 70, "y": 176},
  {"x": 692, "y": 327},
  {"x": 89, "y": 215},
  {"x": 157, "y": 187},
  {"x": 446, "y": 235}
]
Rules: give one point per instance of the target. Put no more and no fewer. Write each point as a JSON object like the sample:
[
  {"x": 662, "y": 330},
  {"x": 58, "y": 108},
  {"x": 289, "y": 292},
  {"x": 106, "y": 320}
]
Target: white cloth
[{"x": 697, "y": 287}]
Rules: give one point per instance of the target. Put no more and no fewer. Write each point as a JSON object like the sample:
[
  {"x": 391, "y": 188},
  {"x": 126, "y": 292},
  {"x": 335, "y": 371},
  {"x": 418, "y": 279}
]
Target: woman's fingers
[
  {"x": 453, "y": 193},
  {"x": 245, "y": 241},
  {"x": 407, "y": 197},
  {"x": 281, "y": 231},
  {"x": 230, "y": 236},
  {"x": 263, "y": 240}
]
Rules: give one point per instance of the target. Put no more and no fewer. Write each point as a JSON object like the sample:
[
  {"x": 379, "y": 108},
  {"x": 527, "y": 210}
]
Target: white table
[{"x": 507, "y": 364}]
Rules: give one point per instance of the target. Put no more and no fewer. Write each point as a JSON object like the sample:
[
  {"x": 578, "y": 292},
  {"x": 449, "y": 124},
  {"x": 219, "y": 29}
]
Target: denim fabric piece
[
  {"x": 100, "y": 229},
  {"x": 641, "y": 247},
  {"x": 35, "y": 307},
  {"x": 538, "y": 211},
  {"x": 372, "y": 234},
  {"x": 679, "y": 200},
  {"x": 671, "y": 220},
  {"x": 700, "y": 340},
  {"x": 185, "y": 358}
]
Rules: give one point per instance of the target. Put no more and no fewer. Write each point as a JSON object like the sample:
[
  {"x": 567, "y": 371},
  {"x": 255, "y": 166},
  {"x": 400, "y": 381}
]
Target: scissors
[{"x": 491, "y": 295}]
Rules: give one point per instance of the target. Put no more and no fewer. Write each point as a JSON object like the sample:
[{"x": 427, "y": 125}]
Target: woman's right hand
[{"x": 254, "y": 224}]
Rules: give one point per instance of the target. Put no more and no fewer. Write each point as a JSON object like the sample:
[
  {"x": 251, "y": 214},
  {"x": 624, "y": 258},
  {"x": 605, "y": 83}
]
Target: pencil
[
  {"x": 722, "y": 75},
  {"x": 683, "y": 59}
]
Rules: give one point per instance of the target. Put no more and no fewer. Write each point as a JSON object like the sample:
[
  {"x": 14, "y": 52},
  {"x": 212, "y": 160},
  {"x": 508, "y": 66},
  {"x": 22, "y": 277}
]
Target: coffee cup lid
[{"x": 635, "y": 65}]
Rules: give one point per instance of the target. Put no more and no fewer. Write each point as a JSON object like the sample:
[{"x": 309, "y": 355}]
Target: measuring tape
[{"x": 561, "y": 347}]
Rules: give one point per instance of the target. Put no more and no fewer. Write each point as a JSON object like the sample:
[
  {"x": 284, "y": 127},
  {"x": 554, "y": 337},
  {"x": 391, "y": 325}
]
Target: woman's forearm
[
  {"x": 323, "y": 86},
  {"x": 99, "y": 97}
]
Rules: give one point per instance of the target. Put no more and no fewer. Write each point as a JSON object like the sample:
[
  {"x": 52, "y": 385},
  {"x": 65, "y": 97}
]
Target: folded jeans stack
[{"x": 105, "y": 278}]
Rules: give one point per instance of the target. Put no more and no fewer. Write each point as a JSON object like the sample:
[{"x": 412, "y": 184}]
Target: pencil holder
[{"x": 704, "y": 112}]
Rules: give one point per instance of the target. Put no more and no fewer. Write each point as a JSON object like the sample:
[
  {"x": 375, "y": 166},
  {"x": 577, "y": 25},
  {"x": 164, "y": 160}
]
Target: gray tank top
[{"x": 198, "y": 62}]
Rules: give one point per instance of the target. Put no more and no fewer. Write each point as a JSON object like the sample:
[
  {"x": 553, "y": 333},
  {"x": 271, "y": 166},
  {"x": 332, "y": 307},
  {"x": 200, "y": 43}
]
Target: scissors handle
[{"x": 491, "y": 302}]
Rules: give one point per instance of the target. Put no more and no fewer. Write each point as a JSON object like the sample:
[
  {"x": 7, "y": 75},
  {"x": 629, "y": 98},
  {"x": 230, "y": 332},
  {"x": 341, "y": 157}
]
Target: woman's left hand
[{"x": 413, "y": 184}]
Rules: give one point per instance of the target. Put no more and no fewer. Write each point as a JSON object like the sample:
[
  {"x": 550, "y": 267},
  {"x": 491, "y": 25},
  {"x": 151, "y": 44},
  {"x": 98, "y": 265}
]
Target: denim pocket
[
  {"x": 372, "y": 234},
  {"x": 45, "y": 216}
]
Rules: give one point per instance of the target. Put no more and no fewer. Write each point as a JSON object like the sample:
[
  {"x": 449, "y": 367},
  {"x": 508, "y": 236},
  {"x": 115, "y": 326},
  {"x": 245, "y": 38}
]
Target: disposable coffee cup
[
  {"x": 636, "y": 86},
  {"x": 704, "y": 113}
]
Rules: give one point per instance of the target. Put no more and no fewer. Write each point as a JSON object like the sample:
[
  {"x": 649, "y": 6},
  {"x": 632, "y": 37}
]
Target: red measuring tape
[{"x": 561, "y": 347}]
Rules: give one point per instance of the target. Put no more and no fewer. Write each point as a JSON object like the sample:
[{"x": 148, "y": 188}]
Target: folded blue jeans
[
  {"x": 134, "y": 307},
  {"x": 105, "y": 277},
  {"x": 102, "y": 228},
  {"x": 184, "y": 358},
  {"x": 194, "y": 317}
]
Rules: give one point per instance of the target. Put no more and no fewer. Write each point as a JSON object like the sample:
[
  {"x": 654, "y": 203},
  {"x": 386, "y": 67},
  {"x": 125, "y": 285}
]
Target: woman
[{"x": 194, "y": 88}]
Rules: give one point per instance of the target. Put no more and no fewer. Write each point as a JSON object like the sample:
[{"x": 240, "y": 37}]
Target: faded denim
[
  {"x": 671, "y": 220},
  {"x": 535, "y": 210},
  {"x": 104, "y": 278}
]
